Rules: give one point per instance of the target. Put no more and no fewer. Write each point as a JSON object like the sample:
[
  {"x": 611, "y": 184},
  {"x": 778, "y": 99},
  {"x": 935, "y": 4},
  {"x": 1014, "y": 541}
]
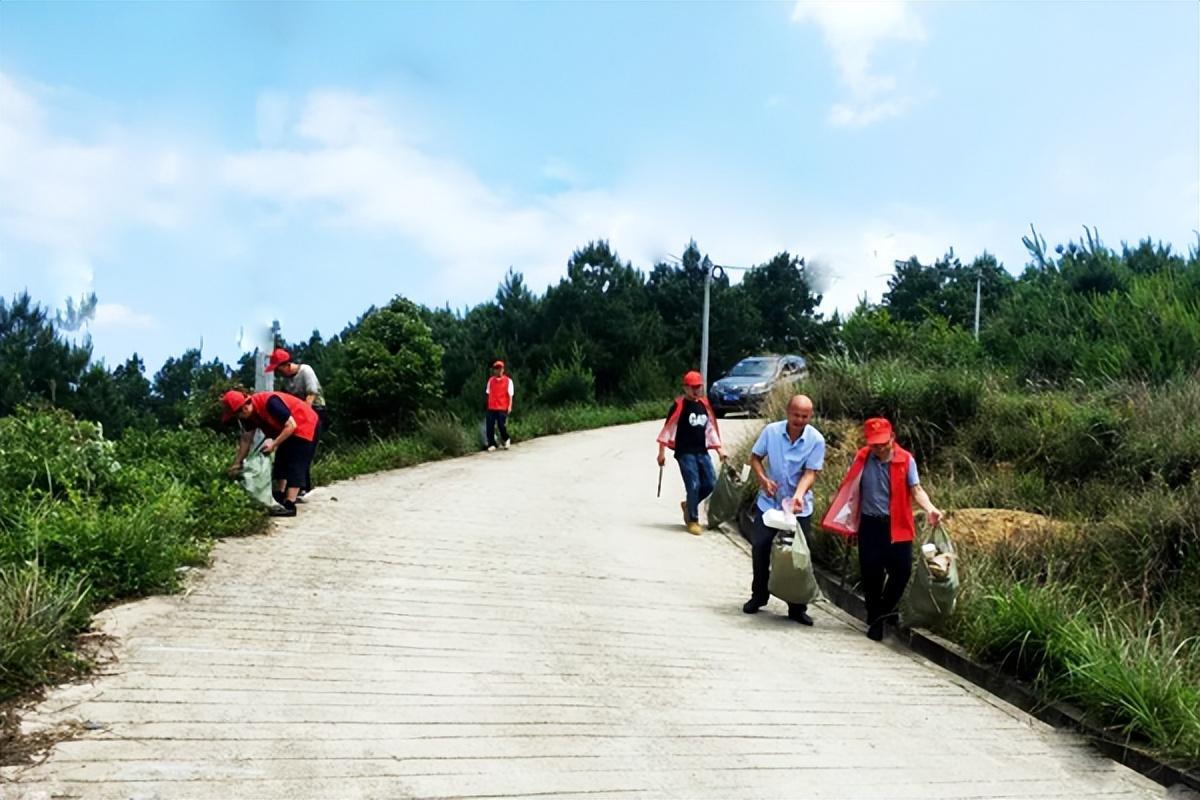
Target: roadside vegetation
[
  {"x": 1075, "y": 413},
  {"x": 1066, "y": 445}
]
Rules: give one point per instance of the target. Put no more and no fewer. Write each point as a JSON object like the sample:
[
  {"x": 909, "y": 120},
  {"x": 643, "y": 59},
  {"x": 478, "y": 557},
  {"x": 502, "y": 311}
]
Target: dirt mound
[{"x": 986, "y": 528}]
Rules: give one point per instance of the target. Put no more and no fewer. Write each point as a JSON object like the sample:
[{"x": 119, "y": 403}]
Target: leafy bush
[
  {"x": 52, "y": 452},
  {"x": 567, "y": 383},
  {"x": 925, "y": 406},
  {"x": 121, "y": 551},
  {"x": 444, "y": 433},
  {"x": 645, "y": 380},
  {"x": 39, "y": 612},
  {"x": 1064, "y": 437}
]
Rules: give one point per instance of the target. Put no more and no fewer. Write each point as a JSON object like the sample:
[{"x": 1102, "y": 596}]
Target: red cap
[
  {"x": 878, "y": 430},
  {"x": 280, "y": 356},
  {"x": 233, "y": 400},
  {"x": 498, "y": 363},
  {"x": 693, "y": 378}
]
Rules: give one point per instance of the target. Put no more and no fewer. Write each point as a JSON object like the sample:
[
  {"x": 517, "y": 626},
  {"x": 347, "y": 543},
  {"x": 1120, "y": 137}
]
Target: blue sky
[{"x": 207, "y": 167}]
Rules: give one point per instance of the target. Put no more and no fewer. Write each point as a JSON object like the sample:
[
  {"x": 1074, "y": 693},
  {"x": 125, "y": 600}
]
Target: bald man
[{"x": 794, "y": 453}]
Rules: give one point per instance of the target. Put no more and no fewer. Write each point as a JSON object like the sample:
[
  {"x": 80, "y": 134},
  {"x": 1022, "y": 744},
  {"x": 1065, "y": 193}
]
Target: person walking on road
[
  {"x": 795, "y": 454},
  {"x": 300, "y": 381},
  {"x": 499, "y": 391},
  {"x": 691, "y": 431},
  {"x": 290, "y": 426},
  {"x": 875, "y": 501}
]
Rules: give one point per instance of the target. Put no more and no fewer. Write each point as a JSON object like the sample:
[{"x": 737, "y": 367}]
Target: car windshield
[{"x": 753, "y": 368}]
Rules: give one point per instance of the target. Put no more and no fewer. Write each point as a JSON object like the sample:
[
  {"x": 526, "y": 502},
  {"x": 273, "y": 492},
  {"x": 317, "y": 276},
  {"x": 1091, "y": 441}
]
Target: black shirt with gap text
[{"x": 689, "y": 431}]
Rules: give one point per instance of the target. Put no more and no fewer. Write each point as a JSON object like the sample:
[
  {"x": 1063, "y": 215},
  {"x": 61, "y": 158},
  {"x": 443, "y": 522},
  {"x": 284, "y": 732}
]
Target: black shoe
[
  {"x": 285, "y": 510},
  {"x": 800, "y": 616},
  {"x": 875, "y": 631},
  {"x": 752, "y": 606}
]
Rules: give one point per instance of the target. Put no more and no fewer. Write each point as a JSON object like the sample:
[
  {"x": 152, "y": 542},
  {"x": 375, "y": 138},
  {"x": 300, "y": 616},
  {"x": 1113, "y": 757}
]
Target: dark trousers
[
  {"x": 885, "y": 566},
  {"x": 698, "y": 480},
  {"x": 495, "y": 418},
  {"x": 308, "y": 484},
  {"x": 761, "y": 540}
]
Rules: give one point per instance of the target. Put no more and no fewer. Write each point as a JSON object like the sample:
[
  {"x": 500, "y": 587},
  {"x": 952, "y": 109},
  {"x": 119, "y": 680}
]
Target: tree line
[{"x": 610, "y": 332}]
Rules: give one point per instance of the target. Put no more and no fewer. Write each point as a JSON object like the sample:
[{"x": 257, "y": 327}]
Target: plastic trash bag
[
  {"x": 934, "y": 589},
  {"x": 792, "y": 577},
  {"x": 725, "y": 499},
  {"x": 256, "y": 478}
]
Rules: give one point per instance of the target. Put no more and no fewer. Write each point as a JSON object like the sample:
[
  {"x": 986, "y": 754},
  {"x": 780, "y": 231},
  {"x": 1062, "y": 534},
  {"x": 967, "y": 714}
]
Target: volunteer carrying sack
[
  {"x": 934, "y": 589},
  {"x": 792, "y": 577},
  {"x": 725, "y": 499}
]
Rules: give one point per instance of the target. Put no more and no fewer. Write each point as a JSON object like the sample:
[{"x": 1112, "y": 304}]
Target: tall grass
[
  {"x": 1136, "y": 674},
  {"x": 39, "y": 612}
]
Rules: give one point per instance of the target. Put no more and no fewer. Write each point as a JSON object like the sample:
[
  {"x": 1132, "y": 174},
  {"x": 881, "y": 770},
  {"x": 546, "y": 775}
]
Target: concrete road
[{"x": 530, "y": 623}]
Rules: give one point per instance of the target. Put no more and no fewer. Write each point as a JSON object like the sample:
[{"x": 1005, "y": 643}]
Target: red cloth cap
[
  {"x": 878, "y": 430},
  {"x": 498, "y": 363},
  {"x": 233, "y": 400},
  {"x": 280, "y": 356},
  {"x": 693, "y": 378}
]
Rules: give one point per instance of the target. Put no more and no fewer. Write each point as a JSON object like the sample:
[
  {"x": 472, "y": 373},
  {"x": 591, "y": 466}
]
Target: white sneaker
[
  {"x": 507, "y": 442},
  {"x": 491, "y": 448}
]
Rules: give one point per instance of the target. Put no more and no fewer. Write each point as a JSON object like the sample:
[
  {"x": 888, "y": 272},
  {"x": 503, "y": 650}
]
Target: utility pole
[
  {"x": 708, "y": 278},
  {"x": 978, "y": 281}
]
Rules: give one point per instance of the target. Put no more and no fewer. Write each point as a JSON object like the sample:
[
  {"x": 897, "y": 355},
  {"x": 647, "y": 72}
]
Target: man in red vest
[
  {"x": 691, "y": 431},
  {"x": 499, "y": 391},
  {"x": 880, "y": 512},
  {"x": 290, "y": 426}
]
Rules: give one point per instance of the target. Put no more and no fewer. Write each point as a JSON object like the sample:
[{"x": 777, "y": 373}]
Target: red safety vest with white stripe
[
  {"x": 712, "y": 434},
  {"x": 306, "y": 418}
]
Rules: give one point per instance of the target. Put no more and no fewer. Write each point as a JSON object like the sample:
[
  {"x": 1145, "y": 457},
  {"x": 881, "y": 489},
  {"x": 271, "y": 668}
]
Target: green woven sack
[
  {"x": 792, "y": 577},
  {"x": 725, "y": 499},
  {"x": 931, "y": 599}
]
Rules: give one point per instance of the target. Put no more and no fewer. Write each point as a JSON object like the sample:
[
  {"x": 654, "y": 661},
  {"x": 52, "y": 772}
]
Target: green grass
[
  {"x": 1136, "y": 675},
  {"x": 39, "y": 612}
]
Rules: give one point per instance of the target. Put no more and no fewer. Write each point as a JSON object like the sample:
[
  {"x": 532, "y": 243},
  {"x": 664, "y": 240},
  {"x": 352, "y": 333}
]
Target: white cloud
[
  {"x": 114, "y": 315},
  {"x": 853, "y": 31},
  {"x": 70, "y": 198}
]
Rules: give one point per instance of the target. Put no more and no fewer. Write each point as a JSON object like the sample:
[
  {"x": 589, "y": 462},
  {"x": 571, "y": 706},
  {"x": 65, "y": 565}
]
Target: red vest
[
  {"x": 306, "y": 418},
  {"x": 498, "y": 397},
  {"x": 900, "y": 513}
]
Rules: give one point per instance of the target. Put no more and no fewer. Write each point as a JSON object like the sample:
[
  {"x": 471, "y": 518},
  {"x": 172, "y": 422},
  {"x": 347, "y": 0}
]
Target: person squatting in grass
[
  {"x": 299, "y": 380},
  {"x": 691, "y": 431},
  {"x": 875, "y": 501},
  {"x": 499, "y": 392},
  {"x": 795, "y": 454},
  {"x": 290, "y": 426}
]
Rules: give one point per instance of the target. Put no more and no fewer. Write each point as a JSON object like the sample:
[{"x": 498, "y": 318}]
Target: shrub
[
  {"x": 568, "y": 383},
  {"x": 925, "y": 406},
  {"x": 444, "y": 433},
  {"x": 1064, "y": 437},
  {"x": 126, "y": 550},
  {"x": 50, "y": 451},
  {"x": 1162, "y": 433}
]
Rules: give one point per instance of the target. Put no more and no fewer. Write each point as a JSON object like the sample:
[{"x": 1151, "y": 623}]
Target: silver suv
[{"x": 745, "y": 386}]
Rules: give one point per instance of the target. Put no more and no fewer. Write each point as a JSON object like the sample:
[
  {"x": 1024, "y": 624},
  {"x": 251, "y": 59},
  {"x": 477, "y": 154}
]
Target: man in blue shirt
[{"x": 795, "y": 453}]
